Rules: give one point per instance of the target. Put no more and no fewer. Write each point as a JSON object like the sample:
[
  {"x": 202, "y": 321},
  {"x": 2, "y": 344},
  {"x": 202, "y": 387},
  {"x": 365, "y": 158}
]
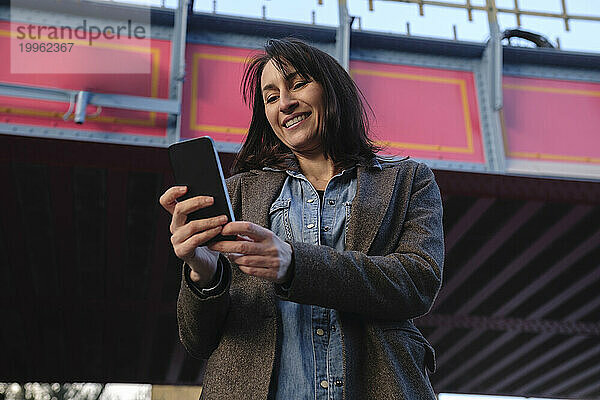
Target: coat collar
[
  {"x": 261, "y": 188},
  {"x": 373, "y": 194},
  {"x": 259, "y": 191}
]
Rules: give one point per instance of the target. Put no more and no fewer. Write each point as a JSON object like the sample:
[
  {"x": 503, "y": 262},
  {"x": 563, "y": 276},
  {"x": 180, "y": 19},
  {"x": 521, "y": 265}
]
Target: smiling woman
[
  {"x": 337, "y": 249},
  {"x": 303, "y": 82}
]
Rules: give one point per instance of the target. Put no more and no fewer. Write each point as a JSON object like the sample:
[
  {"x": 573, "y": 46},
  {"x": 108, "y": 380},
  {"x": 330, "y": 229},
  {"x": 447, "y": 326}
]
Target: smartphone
[{"x": 196, "y": 165}]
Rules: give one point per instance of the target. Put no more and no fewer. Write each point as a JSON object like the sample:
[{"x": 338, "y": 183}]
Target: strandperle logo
[
  {"x": 81, "y": 32},
  {"x": 81, "y": 37}
]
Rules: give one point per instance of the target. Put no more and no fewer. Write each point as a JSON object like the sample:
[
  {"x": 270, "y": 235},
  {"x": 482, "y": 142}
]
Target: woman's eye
[
  {"x": 271, "y": 99},
  {"x": 299, "y": 84}
]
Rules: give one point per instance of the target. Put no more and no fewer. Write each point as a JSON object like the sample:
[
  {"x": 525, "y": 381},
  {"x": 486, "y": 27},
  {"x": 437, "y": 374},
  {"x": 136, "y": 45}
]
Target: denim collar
[{"x": 293, "y": 167}]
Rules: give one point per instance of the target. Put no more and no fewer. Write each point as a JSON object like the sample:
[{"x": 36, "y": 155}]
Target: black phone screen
[{"x": 196, "y": 165}]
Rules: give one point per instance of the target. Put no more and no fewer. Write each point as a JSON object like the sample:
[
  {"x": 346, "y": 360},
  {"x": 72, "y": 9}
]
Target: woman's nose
[{"x": 287, "y": 102}]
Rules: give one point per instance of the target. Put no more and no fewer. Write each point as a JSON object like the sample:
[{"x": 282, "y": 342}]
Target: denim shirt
[{"x": 311, "y": 364}]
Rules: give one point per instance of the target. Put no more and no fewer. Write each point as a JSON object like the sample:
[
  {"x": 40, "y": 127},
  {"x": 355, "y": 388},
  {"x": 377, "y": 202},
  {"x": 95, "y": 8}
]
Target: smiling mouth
[{"x": 295, "y": 121}]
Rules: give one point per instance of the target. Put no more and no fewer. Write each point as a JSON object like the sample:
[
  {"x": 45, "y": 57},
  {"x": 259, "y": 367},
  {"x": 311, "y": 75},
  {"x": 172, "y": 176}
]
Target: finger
[
  {"x": 183, "y": 208},
  {"x": 243, "y": 237},
  {"x": 187, "y": 248},
  {"x": 254, "y": 261},
  {"x": 193, "y": 227},
  {"x": 241, "y": 246},
  {"x": 245, "y": 228},
  {"x": 169, "y": 198}
]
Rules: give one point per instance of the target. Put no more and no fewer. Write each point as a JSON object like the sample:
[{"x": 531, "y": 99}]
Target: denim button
[
  {"x": 310, "y": 200},
  {"x": 320, "y": 332},
  {"x": 324, "y": 384},
  {"x": 339, "y": 383},
  {"x": 331, "y": 202},
  {"x": 325, "y": 228},
  {"x": 309, "y": 226}
]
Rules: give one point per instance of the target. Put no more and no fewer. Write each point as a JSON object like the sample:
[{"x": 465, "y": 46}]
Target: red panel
[
  {"x": 552, "y": 120},
  {"x": 422, "y": 112},
  {"x": 49, "y": 114},
  {"x": 213, "y": 105},
  {"x": 212, "y": 100}
]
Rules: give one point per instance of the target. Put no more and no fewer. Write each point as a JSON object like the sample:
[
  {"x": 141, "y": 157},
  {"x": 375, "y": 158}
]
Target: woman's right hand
[{"x": 187, "y": 237}]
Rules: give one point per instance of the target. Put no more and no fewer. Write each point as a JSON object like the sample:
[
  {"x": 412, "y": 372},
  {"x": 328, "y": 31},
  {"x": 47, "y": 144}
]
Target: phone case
[{"x": 196, "y": 165}]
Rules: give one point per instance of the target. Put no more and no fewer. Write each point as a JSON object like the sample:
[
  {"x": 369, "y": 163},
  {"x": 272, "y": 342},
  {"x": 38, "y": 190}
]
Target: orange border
[
  {"x": 194, "y": 125},
  {"x": 544, "y": 156},
  {"x": 462, "y": 84},
  {"x": 155, "y": 54}
]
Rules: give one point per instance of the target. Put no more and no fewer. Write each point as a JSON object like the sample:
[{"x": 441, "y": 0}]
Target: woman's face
[{"x": 294, "y": 107}]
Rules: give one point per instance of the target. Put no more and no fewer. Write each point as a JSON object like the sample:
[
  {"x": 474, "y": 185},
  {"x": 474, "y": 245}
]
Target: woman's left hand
[{"x": 259, "y": 252}]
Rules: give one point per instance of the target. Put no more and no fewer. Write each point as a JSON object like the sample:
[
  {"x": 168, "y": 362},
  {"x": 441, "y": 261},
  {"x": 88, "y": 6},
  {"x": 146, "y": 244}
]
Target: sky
[{"x": 390, "y": 16}]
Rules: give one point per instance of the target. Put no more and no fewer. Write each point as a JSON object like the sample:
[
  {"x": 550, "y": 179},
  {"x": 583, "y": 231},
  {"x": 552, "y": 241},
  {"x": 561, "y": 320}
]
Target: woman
[{"x": 337, "y": 252}]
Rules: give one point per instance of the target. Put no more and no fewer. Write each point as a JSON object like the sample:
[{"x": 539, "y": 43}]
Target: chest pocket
[{"x": 279, "y": 215}]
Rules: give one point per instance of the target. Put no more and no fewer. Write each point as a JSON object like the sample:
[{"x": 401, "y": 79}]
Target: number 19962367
[{"x": 46, "y": 47}]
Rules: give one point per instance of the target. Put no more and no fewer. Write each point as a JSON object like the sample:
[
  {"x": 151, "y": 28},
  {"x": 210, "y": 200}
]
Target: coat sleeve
[
  {"x": 396, "y": 286},
  {"x": 201, "y": 319}
]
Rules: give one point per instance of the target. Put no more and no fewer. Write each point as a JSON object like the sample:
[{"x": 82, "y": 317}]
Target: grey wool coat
[{"x": 390, "y": 273}]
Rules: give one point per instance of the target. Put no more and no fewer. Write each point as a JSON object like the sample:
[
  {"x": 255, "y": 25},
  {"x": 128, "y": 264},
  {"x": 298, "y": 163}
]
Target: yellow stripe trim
[
  {"x": 194, "y": 125},
  {"x": 545, "y": 156},
  {"x": 469, "y": 149},
  {"x": 220, "y": 57},
  {"x": 553, "y": 157},
  {"x": 593, "y": 93}
]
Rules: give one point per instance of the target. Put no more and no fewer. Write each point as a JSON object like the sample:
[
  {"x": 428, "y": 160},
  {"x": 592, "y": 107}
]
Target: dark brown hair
[{"x": 345, "y": 124}]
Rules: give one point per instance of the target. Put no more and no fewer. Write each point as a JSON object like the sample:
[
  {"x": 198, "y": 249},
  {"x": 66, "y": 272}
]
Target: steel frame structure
[
  {"x": 493, "y": 10},
  {"x": 485, "y": 62}
]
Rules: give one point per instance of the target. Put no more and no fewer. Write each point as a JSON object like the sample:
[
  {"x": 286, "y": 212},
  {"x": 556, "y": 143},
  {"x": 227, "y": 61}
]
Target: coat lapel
[
  {"x": 258, "y": 193},
  {"x": 369, "y": 209}
]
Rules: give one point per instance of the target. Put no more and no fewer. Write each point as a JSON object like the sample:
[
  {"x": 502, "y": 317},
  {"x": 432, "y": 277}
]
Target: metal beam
[
  {"x": 486, "y": 251},
  {"x": 559, "y": 370},
  {"x": 556, "y": 301},
  {"x": 342, "y": 37},
  {"x": 468, "y": 219},
  {"x": 177, "y": 68},
  {"x": 517, "y": 11},
  {"x": 590, "y": 390},
  {"x": 530, "y": 290},
  {"x": 139, "y": 103},
  {"x": 495, "y": 48},
  {"x": 551, "y": 273},
  {"x": 548, "y": 238},
  {"x": 524, "y": 325},
  {"x": 562, "y": 385},
  {"x": 541, "y": 360},
  {"x": 497, "y": 364},
  {"x": 127, "y": 102}
]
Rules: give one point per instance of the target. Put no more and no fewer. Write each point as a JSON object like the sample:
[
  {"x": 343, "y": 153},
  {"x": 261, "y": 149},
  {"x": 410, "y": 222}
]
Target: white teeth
[{"x": 294, "y": 121}]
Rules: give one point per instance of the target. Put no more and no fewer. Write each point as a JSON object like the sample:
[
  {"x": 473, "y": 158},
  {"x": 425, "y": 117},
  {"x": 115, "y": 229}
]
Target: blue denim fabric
[{"x": 311, "y": 360}]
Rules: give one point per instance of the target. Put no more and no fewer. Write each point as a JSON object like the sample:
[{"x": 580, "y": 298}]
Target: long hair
[{"x": 344, "y": 125}]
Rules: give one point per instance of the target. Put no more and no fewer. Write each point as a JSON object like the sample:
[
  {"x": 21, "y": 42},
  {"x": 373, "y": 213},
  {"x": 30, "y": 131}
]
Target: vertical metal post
[
  {"x": 342, "y": 37},
  {"x": 494, "y": 135},
  {"x": 177, "y": 68},
  {"x": 495, "y": 47}
]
